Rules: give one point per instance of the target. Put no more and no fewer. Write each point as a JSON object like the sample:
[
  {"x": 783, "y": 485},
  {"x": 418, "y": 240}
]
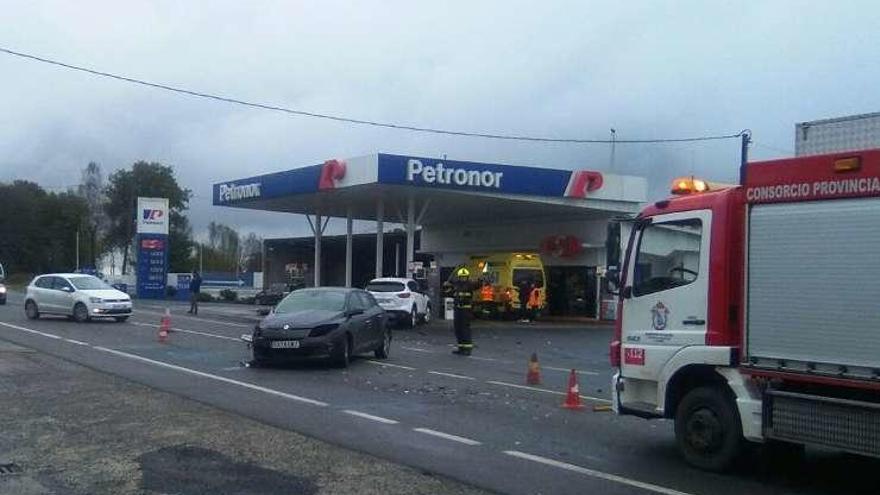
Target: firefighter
[{"x": 463, "y": 296}]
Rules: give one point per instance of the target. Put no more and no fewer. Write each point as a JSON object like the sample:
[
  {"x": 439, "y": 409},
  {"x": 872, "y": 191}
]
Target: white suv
[
  {"x": 402, "y": 298},
  {"x": 82, "y": 297}
]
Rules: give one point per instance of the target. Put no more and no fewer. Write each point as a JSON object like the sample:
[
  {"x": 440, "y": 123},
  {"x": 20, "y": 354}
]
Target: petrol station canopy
[
  {"x": 444, "y": 191},
  {"x": 426, "y": 192}
]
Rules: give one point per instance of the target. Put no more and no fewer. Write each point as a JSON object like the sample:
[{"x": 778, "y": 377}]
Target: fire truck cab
[{"x": 749, "y": 312}]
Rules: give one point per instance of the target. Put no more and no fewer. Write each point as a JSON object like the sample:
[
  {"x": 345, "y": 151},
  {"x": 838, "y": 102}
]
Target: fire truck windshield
[{"x": 668, "y": 256}]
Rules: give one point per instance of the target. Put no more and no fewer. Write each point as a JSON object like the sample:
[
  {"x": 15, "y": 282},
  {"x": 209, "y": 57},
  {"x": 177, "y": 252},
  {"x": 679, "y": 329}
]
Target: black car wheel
[
  {"x": 343, "y": 353},
  {"x": 384, "y": 348},
  {"x": 80, "y": 313},
  {"x": 30, "y": 309}
]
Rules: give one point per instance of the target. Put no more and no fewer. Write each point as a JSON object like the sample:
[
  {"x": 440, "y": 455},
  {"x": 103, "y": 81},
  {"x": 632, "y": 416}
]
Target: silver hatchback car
[{"x": 76, "y": 295}]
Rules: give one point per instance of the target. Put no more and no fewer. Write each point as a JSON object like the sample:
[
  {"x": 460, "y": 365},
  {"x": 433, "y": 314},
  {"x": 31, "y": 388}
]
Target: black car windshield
[
  {"x": 88, "y": 283},
  {"x": 385, "y": 286},
  {"x": 300, "y": 300}
]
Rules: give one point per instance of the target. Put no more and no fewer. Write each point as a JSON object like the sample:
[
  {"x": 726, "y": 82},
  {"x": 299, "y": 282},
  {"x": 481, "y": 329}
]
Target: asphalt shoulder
[{"x": 69, "y": 429}]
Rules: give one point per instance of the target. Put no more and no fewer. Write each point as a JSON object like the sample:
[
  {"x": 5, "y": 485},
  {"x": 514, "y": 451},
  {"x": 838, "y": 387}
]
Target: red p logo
[
  {"x": 331, "y": 171},
  {"x": 582, "y": 182}
]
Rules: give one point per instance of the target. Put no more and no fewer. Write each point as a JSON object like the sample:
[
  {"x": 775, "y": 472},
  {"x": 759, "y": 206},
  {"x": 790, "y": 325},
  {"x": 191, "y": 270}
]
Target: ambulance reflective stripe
[{"x": 441, "y": 174}]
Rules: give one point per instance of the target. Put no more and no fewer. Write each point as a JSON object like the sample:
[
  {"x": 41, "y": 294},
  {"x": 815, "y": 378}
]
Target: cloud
[{"x": 570, "y": 69}]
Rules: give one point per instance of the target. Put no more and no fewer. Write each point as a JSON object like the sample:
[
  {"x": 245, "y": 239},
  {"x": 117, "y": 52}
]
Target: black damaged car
[{"x": 330, "y": 322}]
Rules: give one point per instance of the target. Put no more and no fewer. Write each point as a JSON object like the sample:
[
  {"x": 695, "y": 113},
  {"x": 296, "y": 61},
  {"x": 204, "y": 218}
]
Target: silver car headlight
[
  {"x": 2, "y": 289},
  {"x": 95, "y": 300}
]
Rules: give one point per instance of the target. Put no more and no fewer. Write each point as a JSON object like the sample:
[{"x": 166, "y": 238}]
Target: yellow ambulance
[{"x": 499, "y": 276}]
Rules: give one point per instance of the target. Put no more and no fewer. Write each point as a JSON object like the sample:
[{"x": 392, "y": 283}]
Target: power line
[{"x": 337, "y": 118}]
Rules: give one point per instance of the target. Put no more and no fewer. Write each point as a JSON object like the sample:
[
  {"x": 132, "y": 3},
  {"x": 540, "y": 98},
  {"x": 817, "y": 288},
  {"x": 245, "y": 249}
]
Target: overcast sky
[{"x": 565, "y": 69}]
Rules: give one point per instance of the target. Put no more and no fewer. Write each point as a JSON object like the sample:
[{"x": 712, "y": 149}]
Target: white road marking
[
  {"x": 481, "y": 358},
  {"x": 218, "y": 378},
  {"x": 595, "y": 474},
  {"x": 378, "y": 419},
  {"x": 536, "y": 389},
  {"x": 77, "y": 342},
  {"x": 568, "y": 370},
  {"x": 218, "y": 322},
  {"x": 380, "y": 363},
  {"x": 194, "y": 332},
  {"x": 452, "y": 375},
  {"x": 23, "y": 329},
  {"x": 416, "y": 349},
  {"x": 447, "y": 436}
]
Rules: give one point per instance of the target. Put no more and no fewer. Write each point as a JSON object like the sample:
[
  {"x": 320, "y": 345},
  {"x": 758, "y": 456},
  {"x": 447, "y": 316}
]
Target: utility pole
[
  {"x": 613, "y": 144},
  {"x": 746, "y": 137},
  {"x": 201, "y": 268},
  {"x": 77, "y": 249}
]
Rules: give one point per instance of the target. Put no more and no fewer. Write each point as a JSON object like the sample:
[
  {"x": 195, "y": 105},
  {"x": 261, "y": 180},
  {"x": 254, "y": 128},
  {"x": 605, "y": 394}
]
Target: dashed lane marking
[
  {"x": 536, "y": 389},
  {"x": 194, "y": 332},
  {"x": 389, "y": 365},
  {"x": 568, "y": 370},
  {"x": 378, "y": 419},
  {"x": 447, "y": 436},
  {"x": 416, "y": 349},
  {"x": 452, "y": 375},
  {"x": 595, "y": 474}
]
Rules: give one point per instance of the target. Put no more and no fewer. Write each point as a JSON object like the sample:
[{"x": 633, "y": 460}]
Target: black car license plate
[{"x": 285, "y": 344}]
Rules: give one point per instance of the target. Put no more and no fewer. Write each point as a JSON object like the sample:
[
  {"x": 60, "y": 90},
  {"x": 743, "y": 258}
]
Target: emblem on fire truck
[{"x": 659, "y": 316}]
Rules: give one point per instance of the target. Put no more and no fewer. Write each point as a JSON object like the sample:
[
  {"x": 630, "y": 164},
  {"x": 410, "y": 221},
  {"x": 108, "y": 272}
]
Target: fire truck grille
[{"x": 842, "y": 424}]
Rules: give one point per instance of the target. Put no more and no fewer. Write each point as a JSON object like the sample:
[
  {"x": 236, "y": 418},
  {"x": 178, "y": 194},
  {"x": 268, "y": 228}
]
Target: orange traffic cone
[
  {"x": 165, "y": 326},
  {"x": 573, "y": 397},
  {"x": 533, "y": 377}
]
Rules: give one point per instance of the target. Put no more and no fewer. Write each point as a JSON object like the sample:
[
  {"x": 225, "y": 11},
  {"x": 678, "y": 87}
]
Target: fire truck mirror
[
  {"x": 612, "y": 244},
  {"x": 612, "y": 281}
]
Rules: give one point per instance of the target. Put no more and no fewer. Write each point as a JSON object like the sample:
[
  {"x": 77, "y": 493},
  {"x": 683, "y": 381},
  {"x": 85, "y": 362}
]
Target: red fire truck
[{"x": 752, "y": 312}]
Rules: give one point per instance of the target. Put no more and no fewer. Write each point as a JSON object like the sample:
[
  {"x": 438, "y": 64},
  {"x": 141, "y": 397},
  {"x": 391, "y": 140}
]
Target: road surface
[{"x": 471, "y": 419}]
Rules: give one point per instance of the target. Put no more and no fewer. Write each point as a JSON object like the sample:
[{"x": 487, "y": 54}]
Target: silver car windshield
[{"x": 88, "y": 283}]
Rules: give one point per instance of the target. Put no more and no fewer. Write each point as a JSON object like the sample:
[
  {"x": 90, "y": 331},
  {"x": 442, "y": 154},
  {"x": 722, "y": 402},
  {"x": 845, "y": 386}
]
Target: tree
[
  {"x": 222, "y": 251},
  {"x": 146, "y": 180},
  {"x": 91, "y": 188},
  {"x": 251, "y": 257},
  {"x": 39, "y": 229}
]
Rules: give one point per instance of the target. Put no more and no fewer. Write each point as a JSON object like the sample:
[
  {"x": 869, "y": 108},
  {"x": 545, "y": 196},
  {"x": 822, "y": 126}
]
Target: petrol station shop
[{"x": 432, "y": 215}]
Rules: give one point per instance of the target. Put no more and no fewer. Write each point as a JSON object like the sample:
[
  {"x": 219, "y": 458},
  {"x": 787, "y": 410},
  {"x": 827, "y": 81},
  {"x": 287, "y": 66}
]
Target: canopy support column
[
  {"x": 380, "y": 237},
  {"x": 318, "y": 229},
  {"x": 348, "y": 248},
  {"x": 410, "y": 235}
]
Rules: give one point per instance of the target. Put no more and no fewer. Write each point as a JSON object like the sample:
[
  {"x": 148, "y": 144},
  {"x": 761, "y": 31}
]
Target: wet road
[{"x": 472, "y": 419}]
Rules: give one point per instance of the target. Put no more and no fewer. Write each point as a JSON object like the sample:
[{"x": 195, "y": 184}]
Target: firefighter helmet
[{"x": 463, "y": 272}]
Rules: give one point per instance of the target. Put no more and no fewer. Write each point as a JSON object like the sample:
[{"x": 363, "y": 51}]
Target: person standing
[
  {"x": 463, "y": 296},
  {"x": 525, "y": 290},
  {"x": 195, "y": 287}
]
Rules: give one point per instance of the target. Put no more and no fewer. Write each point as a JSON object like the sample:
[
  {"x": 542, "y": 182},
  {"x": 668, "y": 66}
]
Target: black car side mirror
[{"x": 354, "y": 312}]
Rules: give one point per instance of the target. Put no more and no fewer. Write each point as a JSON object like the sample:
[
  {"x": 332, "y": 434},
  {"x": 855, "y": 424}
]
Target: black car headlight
[{"x": 322, "y": 330}]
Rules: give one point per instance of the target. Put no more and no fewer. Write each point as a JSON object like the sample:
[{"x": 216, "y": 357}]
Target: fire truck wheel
[{"x": 708, "y": 429}]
